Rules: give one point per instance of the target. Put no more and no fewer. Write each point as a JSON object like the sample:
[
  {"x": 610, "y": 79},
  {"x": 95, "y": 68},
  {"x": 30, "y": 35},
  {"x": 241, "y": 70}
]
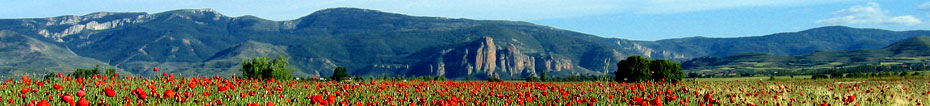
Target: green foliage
[
  {"x": 665, "y": 69},
  {"x": 857, "y": 75},
  {"x": 109, "y": 71},
  {"x": 49, "y": 76},
  {"x": 260, "y": 67},
  {"x": 532, "y": 79},
  {"x": 84, "y": 73},
  {"x": 836, "y": 75},
  {"x": 494, "y": 79},
  {"x": 633, "y": 69},
  {"x": 819, "y": 76},
  {"x": 89, "y": 72},
  {"x": 339, "y": 74},
  {"x": 543, "y": 76},
  {"x": 641, "y": 69}
]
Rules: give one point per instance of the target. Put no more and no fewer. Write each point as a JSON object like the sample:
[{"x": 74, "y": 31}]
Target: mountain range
[
  {"x": 909, "y": 51},
  {"x": 203, "y": 42}
]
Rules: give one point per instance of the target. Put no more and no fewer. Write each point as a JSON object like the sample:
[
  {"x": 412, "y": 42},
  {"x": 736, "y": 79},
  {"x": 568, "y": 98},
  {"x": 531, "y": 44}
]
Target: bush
[
  {"x": 91, "y": 72},
  {"x": 84, "y": 73},
  {"x": 494, "y": 79},
  {"x": 532, "y": 79},
  {"x": 819, "y": 76},
  {"x": 836, "y": 75},
  {"x": 665, "y": 69},
  {"x": 261, "y": 68},
  {"x": 641, "y": 69},
  {"x": 339, "y": 74},
  {"x": 633, "y": 69}
]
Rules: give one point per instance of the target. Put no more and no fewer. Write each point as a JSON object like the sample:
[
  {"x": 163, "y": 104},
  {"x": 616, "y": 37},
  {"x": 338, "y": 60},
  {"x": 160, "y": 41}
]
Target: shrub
[
  {"x": 261, "y": 68},
  {"x": 339, "y": 74},
  {"x": 494, "y": 79},
  {"x": 665, "y": 69},
  {"x": 633, "y": 69},
  {"x": 532, "y": 79},
  {"x": 91, "y": 72}
]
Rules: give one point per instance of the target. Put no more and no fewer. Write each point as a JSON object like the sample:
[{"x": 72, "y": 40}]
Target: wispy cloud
[
  {"x": 677, "y": 6},
  {"x": 871, "y": 13},
  {"x": 924, "y": 6}
]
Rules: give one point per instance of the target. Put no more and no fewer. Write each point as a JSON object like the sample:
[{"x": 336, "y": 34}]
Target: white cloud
[
  {"x": 924, "y": 6},
  {"x": 676, "y": 6},
  {"x": 871, "y": 13}
]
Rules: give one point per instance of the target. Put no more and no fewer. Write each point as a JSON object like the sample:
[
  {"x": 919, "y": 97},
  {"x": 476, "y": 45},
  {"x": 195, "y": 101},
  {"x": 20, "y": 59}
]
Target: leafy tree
[
  {"x": 633, "y": 69},
  {"x": 494, "y": 79},
  {"x": 836, "y": 75},
  {"x": 665, "y": 69},
  {"x": 532, "y": 79},
  {"x": 543, "y": 76},
  {"x": 339, "y": 74},
  {"x": 86, "y": 72},
  {"x": 260, "y": 67}
]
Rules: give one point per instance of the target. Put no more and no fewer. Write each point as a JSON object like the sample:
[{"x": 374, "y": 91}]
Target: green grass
[{"x": 923, "y": 74}]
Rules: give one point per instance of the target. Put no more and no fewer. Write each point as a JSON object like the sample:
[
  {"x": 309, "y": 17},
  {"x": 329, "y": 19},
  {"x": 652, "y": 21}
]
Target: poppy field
[{"x": 216, "y": 91}]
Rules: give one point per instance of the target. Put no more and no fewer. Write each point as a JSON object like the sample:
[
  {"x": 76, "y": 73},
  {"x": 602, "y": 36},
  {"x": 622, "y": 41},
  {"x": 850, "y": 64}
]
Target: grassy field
[{"x": 212, "y": 91}]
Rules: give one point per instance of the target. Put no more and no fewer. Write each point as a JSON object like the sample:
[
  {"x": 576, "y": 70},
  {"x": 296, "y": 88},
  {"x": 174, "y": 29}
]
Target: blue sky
[{"x": 628, "y": 19}]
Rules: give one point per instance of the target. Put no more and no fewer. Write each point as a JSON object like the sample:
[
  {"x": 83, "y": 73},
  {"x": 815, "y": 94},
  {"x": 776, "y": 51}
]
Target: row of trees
[
  {"x": 641, "y": 69},
  {"x": 632, "y": 69}
]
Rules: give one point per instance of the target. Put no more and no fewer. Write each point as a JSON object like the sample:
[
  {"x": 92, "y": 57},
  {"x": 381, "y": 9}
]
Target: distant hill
[
  {"x": 913, "y": 50},
  {"x": 21, "y": 55},
  {"x": 830, "y": 38},
  {"x": 203, "y": 42}
]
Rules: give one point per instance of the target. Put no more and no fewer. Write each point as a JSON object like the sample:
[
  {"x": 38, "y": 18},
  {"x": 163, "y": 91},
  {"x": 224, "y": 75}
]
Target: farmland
[{"x": 170, "y": 90}]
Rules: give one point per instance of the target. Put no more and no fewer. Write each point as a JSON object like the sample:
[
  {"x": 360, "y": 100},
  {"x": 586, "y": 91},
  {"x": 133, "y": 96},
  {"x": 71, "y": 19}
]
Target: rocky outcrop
[{"x": 486, "y": 57}]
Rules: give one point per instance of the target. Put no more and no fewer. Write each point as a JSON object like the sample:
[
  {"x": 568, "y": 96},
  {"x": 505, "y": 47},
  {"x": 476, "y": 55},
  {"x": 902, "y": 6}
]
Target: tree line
[
  {"x": 641, "y": 69},
  {"x": 632, "y": 69}
]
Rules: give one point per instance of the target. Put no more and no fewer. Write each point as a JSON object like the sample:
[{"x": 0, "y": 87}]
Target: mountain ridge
[{"x": 196, "y": 41}]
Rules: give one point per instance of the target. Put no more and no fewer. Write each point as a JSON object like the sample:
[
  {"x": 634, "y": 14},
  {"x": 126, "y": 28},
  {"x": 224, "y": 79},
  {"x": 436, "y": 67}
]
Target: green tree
[
  {"x": 669, "y": 70},
  {"x": 532, "y": 79},
  {"x": 86, "y": 72},
  {"x": 494, "y": 79},
  {"x": 633, "y": 69},
  {"x": 339, "y": 74},
  {"x": 543, "y": 76},
  {"x": 260, "y": 67}
]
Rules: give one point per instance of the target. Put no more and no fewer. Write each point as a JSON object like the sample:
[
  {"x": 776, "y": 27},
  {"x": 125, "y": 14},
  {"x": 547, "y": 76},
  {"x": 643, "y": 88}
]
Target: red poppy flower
[
  {"x": 67, "y": 98},
  {"x": 81, "y": 93},
  {"x": 170, "y": 93},
  {"x": 139, "y": 93},
  {"x": 83, "y": 102},
  {"x": 109, "y": 92},
  {"x": 43, "y": 103},
  {"x": 222, "y": 88}
]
